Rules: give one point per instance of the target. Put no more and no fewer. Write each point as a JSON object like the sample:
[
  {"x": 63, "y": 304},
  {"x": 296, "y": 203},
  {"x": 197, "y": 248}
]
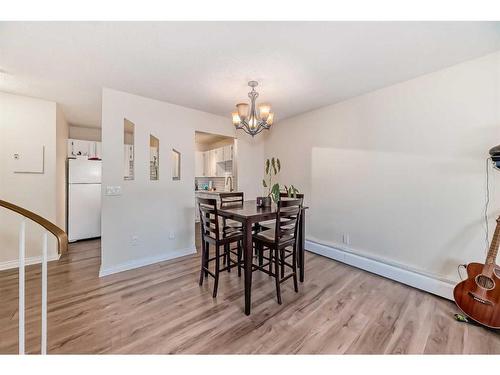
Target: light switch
[{"x": 113, "y": 190}]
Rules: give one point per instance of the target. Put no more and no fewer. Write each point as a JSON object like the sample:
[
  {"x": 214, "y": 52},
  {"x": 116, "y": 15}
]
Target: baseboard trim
[
  {"x": 396, "y": 272},
  {"x": 10, "y": 264},
  {"x": 142, "y": 262}
]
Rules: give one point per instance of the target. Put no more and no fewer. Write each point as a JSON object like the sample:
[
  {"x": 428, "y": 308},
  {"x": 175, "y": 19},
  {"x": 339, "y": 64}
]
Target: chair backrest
[
  {"x": 208, "y": 218},
  {"x": 229, "y": 199},
  {"x": 297, "y": 195},
  {"x": 287, "y": 218}
]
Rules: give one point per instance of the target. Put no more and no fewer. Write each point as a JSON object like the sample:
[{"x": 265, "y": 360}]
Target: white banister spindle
[
  {"x": 43, "y": 344},
  {"x": 22, "y": 251}
]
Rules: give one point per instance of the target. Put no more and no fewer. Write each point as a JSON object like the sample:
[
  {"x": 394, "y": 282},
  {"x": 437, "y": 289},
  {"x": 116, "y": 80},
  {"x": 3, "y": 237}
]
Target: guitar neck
[{"x": 495, "y": 241}]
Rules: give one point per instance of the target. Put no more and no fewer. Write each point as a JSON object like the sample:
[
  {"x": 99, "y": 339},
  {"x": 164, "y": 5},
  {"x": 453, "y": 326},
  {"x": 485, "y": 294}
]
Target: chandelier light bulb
[
  {"x": 236, "y": 118},
  {"x": 270, "y": 118},
  {"x": 242, "y": 110},
  {"x": 264, "y": 110}
]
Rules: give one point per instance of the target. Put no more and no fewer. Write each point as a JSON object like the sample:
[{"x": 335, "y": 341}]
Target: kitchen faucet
[{"x": 229, "y": 180}]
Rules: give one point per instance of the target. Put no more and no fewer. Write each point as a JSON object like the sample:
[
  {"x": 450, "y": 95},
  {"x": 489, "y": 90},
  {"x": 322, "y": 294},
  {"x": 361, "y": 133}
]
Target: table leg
[
  {"x": 248, "y": 255},
  {"x": 302, "y": 242}
]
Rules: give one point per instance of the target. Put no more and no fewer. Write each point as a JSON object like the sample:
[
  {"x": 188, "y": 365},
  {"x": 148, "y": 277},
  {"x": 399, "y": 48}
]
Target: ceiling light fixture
[{"x": 253, "y": 123}]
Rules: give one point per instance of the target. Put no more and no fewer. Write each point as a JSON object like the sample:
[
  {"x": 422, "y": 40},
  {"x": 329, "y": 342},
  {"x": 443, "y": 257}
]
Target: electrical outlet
[
  {"x": 134, "y": 240},
  {"x": 171, "y": 235},
  {"x": 346, "y": 239}
]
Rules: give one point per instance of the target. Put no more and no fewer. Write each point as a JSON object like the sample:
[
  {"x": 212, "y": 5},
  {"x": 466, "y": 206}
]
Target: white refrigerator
[{"x": 84, "y": 199}]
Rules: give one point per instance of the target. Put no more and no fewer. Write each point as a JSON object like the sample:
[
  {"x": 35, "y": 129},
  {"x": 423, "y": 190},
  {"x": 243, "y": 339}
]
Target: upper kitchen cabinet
[
  {"x": 228, "y": 153},
  {"x": 214, "y": 156},
  {"x": 218, "y": 155}
]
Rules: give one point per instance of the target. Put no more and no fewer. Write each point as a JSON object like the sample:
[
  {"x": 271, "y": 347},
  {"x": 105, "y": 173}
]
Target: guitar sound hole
[{"x": 485, "y": 282}]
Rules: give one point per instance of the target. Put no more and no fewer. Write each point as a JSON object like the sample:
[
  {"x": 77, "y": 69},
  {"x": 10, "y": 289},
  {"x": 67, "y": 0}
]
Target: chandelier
[{"x": 253, "y": 123}]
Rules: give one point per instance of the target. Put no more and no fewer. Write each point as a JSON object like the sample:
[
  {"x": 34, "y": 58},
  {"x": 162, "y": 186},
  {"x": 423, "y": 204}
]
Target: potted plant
[
  {"x": 291, "y": 191},
  {"x": 272, "y": 168}
]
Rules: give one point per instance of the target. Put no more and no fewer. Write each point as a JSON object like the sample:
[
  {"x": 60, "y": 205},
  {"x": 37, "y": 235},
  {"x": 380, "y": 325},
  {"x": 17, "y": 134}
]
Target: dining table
[{"x": 248, "y": 214}]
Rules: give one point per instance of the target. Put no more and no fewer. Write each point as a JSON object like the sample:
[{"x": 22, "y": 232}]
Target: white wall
[
  {"x": 84, "y": 133},
  {"x": 401, "y": 170},
  {"x": 26, "y": 120},
  {"x": 151, "y": 210},
  {"x": 62, "y": 134}
]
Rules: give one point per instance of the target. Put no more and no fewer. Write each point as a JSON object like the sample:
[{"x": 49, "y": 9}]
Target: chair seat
[
  {"x": 225, "y": 236},
  {"x": 230, "y": 232},
  {"x": 271, "y": 223},
  {"x": 268, "y": 237},
  {"x": 233, "y": 224}
]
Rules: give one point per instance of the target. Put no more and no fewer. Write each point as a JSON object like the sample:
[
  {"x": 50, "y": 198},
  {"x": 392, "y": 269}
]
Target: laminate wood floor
[{"x": 161, "y": 309}]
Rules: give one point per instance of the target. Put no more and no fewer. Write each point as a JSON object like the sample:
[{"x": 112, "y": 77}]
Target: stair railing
[{"x": 62, "y": 241}]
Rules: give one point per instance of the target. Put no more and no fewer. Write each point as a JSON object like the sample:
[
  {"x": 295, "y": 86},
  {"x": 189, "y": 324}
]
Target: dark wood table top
[{"x": 249, "y": 211}]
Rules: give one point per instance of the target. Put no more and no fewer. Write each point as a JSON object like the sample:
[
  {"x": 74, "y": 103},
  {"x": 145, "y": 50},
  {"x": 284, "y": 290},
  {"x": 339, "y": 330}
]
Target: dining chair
[
  {"x": 213, "y": 234},
  {"x": 230, "y": 200},
  {"x": 280, "y": 241},
  {"x": 271, "y": 224}
]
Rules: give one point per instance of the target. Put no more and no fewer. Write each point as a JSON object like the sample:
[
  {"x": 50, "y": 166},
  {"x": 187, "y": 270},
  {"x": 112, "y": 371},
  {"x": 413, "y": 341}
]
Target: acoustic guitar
[{"x": 479, "y": 295}]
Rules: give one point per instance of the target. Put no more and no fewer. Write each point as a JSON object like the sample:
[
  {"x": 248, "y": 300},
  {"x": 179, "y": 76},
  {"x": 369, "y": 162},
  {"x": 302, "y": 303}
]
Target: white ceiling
[
  {"x": 208, "y": 138},
  {"x": 206, "y": 65}
]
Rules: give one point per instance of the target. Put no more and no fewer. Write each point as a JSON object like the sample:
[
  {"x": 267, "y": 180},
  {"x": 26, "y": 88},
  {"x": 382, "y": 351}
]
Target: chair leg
[
  {"x": 207, "y": 255},
  {"x": 227, "y": 252},
  {"x": 282, "y": 254},
  {"x": 270, "y": 260},
  {"x": 294, "y": 269},
  {"x": 203, "y": 257},
  {"x": 277, "y": 275},
  {"x": 239, "y": 258},
  {"x": 259, "y": 249},
  {"x": 217, "y": 267}
]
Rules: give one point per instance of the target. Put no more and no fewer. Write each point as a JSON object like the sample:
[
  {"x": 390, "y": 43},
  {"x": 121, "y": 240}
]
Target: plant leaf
[
  {"x": 267, "y": 166},
  {"x": 278, "y": 164},
  {"x": 264, "y": 183},
  {"x": 275, "y": 192},
  {"x": 273, "y": 164}
]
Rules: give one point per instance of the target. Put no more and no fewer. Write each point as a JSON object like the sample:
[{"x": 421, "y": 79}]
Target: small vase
[{"x": 263, "y": 201}]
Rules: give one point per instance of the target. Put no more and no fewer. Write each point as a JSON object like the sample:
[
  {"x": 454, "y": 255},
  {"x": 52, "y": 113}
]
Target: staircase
[{"x": 62, "y": 241}]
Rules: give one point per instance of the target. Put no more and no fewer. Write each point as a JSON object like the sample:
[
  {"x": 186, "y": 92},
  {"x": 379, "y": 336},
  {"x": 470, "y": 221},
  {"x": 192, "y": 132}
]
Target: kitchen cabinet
[
  {"x": 220, "y": 169},
  {"x": 212, "y": 167},
  {"x": 219, "y": 155},
  {"x": 228, "y": 153},
  {"x": 214, "y": 163}
]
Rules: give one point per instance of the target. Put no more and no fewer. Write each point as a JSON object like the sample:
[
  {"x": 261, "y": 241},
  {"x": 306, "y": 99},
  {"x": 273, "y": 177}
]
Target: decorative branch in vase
[{"x": 272, "y": 168}]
